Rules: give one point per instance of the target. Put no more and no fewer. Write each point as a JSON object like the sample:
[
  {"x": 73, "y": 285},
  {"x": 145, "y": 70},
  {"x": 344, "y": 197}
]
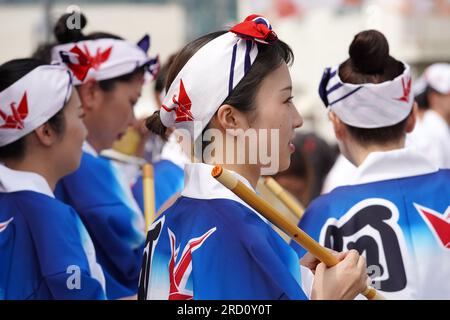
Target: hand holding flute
[{"x": 321, "y": 253}]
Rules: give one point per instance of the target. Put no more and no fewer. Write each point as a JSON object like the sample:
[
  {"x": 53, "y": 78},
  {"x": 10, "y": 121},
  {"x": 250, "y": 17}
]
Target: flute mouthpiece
[{"x": 216, "y": 171}]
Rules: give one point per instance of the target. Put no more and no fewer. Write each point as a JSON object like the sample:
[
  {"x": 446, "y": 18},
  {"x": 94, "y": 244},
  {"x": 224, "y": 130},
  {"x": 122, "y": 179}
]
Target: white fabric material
[
  {"x": 108, "y": 58},
  {"x": 370, "y": 105},
  {"x": 14, "y": 180},
  {"x": 307, "y": 278},
  {"x": 395, "y": 164},
  {"x": 431, "y": 137},
  {"x": 339, "y": 175},
  {"x": 200, "y": 184},
  {"x": 378, "y": 166},
  {"x": 437, "y": 76},
  {"x": 203, "y": 83},
  {"x": 88, "y": 148},
  {"x": 33, "y": 100}
]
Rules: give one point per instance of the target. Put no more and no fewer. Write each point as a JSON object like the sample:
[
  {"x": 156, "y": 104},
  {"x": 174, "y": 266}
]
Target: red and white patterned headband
[
  {"x": 104, "y": 59},
  {"x": 32, "y": 100},
  {"x": 212, "y": 73},
  {"x": 368, "y": 105}
]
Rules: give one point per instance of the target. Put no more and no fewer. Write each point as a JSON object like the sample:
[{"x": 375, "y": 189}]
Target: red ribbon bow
[{"x": 257, "y": 28}]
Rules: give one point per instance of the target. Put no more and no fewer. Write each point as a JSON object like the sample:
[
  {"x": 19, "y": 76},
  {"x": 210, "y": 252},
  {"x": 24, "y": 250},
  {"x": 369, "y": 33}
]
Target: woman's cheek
[
  {"x": 125, "y": 113},
  {"x": 82, "y": 130}
]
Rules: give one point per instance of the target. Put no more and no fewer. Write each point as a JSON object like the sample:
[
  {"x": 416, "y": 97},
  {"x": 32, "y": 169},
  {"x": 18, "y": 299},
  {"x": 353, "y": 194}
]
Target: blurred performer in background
[
  {"x": 431, "y": 136},
  {"x": 395, "y": 209},
  {"x": 45, "y": 250},
  {"x": 109, "y": 75}
]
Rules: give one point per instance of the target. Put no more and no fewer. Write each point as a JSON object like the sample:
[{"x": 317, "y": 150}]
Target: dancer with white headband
[
  {"x": 109, "y": 75},
  {"x": 431, "y": 136},
  {"x": 396, "y": 208},
  {"x": 210, "y": 244},
  {"x": 46, "y": 252}
]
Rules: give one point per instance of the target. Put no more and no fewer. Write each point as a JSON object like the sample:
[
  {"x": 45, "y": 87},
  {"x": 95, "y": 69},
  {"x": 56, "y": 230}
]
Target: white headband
[
  {"x": 368, "y": 105},
  {"x": 212, "y": 73},
  {"x": 32, "y": 100},
  {"x": 104, "y": 59},
  {"x": 437, "y": 76}
]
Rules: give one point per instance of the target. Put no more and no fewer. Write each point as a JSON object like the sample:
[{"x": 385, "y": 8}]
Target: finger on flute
[{"x": 270, "y": 213}]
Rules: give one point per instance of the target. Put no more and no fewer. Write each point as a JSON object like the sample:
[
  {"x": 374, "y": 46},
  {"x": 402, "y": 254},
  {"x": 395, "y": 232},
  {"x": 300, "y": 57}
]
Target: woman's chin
[{"x": 284, "y": 164}]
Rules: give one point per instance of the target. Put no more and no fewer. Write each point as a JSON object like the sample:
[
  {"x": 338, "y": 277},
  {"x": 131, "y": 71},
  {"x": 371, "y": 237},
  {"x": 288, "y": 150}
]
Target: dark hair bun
[
  {"x": 63, "y": 30},
  {"x": 369, "y": 52},
  {"x": 155, "y": 125}
]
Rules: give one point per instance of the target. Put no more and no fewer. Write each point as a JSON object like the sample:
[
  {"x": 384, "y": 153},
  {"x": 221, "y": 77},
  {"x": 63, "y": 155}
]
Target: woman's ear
[
  {"x": 339, "y": 128},
  {"x": 411, "y": 122},
  {"x": 228, "y": 117},
  {"x": 90, "y": 95},
  {"x": 46, "y": 135}
]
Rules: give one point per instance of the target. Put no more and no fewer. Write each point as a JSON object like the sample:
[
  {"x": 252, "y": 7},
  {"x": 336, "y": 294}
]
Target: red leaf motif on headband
[
  {"x": 86, "y": 61},
  {"x": 183, "y": 108},
  {"x": 406, "y": 91},
  {"x": 18, "y": 114},
  {"x": 257, "y": 28},
  {"x": 99, "y": 58}
]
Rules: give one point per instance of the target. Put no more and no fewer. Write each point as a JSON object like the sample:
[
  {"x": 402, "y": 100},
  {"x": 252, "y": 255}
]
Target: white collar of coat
[
  {"x": 14, "y": 180},
  {"x": 395, "y": 164},
  {"x": 436, "y": 119},
  {"x": 88, "y": 148},
  {"x": 199, "y": 184}
]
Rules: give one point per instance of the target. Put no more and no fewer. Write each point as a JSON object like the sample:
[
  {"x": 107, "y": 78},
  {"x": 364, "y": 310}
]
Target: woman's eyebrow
[{"x": 287, "y": 88}]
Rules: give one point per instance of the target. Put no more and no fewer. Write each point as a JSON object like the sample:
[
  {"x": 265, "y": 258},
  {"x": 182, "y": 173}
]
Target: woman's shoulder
[
  {"x": 91, "y": 163},
  {"x": 207, "y": 208},
  {"x": 36, "y": 202},
  {"x": 230, "y": 218},
  {"x": 96, "y": 177},
  {"x": 42, "y": 215},
  {"x": 53, "y": 225}
]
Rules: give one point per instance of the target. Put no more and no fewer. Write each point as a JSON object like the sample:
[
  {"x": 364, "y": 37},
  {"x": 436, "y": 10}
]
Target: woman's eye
[{"x": 289, "y": 100}]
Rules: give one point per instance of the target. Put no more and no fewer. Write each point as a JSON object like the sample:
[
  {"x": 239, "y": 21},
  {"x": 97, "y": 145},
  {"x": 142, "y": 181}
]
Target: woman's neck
[
  {"x": 250, "y": 172},
  {"x": 35, "y": 165},
  {"x": 96, "y": 145},
  {"x": 359, "y": 153}
]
